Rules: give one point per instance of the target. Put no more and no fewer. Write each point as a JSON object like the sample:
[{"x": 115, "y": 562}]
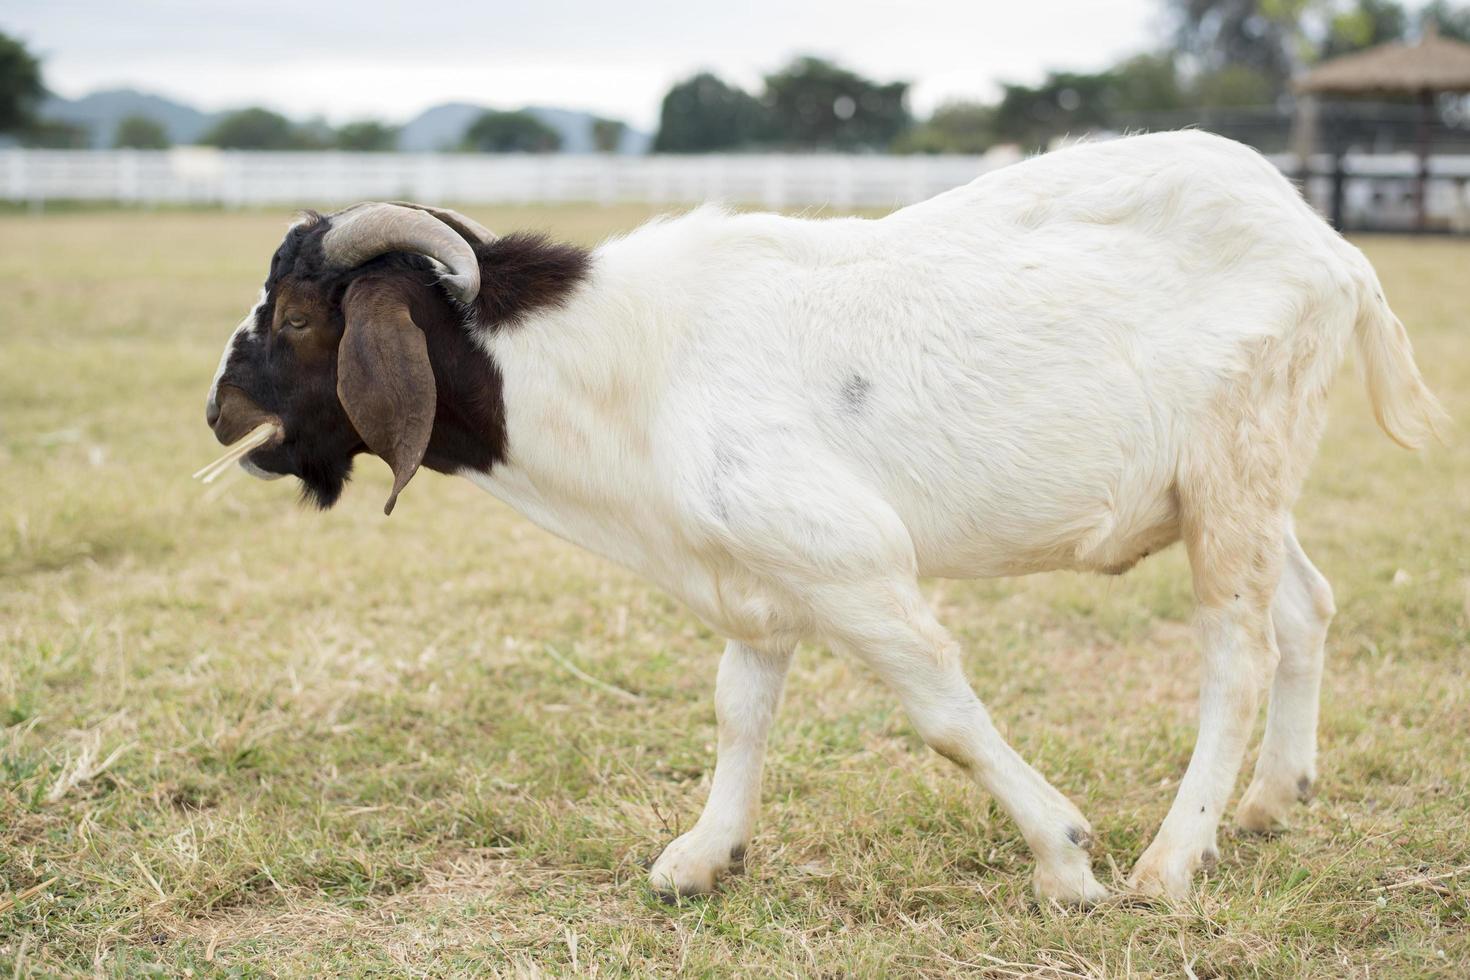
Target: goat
[{"x": 1070, "y": 363}]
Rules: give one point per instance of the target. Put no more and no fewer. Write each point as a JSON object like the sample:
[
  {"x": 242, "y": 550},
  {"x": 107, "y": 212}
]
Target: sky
[{"x": 372, "y": 58}]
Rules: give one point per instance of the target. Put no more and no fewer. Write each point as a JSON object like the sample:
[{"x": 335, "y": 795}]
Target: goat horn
[
  {"x": 365, "y": 231},
  {"x": 469, "y": 229}
]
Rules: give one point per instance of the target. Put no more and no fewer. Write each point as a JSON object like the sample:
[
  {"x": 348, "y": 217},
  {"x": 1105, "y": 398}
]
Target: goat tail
[{"x": 1402, "y": 403}]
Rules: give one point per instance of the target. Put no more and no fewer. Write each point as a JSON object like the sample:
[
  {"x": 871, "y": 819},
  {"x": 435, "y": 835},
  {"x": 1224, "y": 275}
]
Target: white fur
[
  {"x": 243, "y": 328},
  {"x": 1066, "y": 364}
]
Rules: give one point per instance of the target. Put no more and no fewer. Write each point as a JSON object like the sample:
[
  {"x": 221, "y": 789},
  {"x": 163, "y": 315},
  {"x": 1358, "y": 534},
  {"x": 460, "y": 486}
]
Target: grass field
[{"x": 240, "y": 737}]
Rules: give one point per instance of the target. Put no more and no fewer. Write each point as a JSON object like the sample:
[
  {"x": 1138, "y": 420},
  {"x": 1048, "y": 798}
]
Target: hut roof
[{"x": 1435, "y": 64}]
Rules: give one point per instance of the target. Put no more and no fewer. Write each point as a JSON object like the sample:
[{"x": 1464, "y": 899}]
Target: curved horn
[
  {"x": 365, "y": 231},
  {"x": 469, "y": 229}
]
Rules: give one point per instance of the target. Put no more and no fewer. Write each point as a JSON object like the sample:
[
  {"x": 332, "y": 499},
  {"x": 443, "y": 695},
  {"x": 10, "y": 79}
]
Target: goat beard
[{"x": 322, "y": 480}]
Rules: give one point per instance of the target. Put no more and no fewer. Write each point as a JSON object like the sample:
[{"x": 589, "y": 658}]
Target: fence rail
[
  {"x": 1377, "y": 189},
  {"x": 194, "y": 175}
]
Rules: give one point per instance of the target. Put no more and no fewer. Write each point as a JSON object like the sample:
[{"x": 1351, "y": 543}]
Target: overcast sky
[{"x": 346, "y": 60}]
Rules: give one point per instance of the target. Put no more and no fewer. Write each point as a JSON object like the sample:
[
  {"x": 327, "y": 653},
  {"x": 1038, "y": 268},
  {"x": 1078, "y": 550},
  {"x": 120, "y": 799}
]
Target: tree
[
  {"x": 955, "y": 127},
  {"x": 140, "y": 133},
  {"x": 1066, "y": 102},
  {"x": 510, "y": 132},
  {"x": 702, "y": 114},
  {"x": 367, "y": 136},
  {"x": 253, "y": 129},
  {"x": 1264, "y": 36},
  {"x": 20, "y": 85},
  {"x": 1452, "y": 19},
  {"x": 815, "y": 104},
  {"x": 1367, "y": 23},
  {"x": 313, "y": 134},
  {"x": 1234, "y": 86},
  {"x": 607, "y": 134},
  {"x": 56, "y": 134},
  {"x": 1146, "y": 83}
]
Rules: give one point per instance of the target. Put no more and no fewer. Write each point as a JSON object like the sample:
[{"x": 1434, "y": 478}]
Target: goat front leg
[{"x": 747, "y": 694}]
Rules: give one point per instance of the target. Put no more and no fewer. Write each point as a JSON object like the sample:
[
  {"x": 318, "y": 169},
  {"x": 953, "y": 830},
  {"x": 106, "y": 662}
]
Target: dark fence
[
  {"x": 1364, "y": 173},
  {"x": 1342, "y": 126}
]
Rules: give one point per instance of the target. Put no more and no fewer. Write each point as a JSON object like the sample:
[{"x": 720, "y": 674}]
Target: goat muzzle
[{"x": 235, "y": 416}]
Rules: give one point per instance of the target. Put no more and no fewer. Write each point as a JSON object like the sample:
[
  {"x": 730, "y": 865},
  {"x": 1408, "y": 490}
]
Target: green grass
[{"x": 246, "y": 738}]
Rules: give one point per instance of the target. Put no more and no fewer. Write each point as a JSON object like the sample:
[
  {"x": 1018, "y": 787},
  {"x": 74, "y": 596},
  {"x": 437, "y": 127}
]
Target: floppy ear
[{"x": 384, "y": 379}]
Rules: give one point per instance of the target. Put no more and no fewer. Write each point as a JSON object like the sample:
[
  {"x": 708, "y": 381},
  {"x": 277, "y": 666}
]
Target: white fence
[
  {"x": 201, "y": 175},
  {"x": 1378, "y": 189},
  {"x": 195, "y": 175}
]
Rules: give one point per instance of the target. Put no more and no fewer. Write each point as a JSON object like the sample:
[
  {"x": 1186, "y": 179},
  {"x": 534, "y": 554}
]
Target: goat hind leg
[
  {"x": 1236, "y": 563},
  {"x": 1287, "y": 767},
  {"x": 890, "y": 629}
]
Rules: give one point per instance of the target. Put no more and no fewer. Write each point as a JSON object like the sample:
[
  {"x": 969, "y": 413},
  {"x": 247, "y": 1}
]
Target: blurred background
[{"x": 847, "y": 104}]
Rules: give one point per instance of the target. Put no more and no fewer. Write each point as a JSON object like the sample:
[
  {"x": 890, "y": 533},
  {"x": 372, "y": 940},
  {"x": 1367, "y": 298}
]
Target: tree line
[
  {"x": 22, "y": 91},
  {"x": 1218, "y": 54}
]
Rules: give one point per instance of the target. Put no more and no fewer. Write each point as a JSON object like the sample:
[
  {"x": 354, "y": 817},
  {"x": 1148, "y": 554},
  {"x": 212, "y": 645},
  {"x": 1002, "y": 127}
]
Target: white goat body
[
  {"x": 1013, "y": 373},
  {"x": 1068, "y": 363}
]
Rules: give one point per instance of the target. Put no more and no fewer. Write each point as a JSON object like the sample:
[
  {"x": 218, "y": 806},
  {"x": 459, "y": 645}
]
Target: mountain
[
  {"x": 437, "y": 128},
  {"x": 442, "y": 126},
  {"x": 100, "y": 113}
]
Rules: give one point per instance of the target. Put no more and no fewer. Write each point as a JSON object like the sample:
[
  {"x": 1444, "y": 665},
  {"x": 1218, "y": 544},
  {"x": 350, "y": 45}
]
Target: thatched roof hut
[
  {"x": 1435, "y": 64},
  {"x": 1423, "y": 70}
]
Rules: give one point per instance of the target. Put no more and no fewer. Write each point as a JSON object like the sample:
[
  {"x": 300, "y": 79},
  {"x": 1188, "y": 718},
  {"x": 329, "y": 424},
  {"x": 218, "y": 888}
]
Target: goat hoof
[
  {"x": 1263, "y": 810},
  {"x": 692, "y": 865},
  {"x": 1164, "y": 874},
  {"x": 1074, "y": 886}
]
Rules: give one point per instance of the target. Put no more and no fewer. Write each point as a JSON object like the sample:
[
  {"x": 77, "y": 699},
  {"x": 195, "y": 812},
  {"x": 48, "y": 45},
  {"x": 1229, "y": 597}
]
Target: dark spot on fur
[
  {"x": 727, "y": 465},
  {"x": 1080, "y": 837},
  {"x": 855, "y": 393},
  {"x": 1208, "y": 860},
  {"x": 1201, "y": 809},
  {"x": 1304, "y": 789}
]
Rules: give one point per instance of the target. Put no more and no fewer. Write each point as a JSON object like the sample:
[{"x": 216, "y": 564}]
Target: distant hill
[
  {"x": 442, "y": 126},
  {"x": 100, "y": 113},
  {"x": 438, "y": 128}
]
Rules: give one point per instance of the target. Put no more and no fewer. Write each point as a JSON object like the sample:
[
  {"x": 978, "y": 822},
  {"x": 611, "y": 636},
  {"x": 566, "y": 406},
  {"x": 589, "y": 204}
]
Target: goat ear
[{"x": 384, "y": 379}]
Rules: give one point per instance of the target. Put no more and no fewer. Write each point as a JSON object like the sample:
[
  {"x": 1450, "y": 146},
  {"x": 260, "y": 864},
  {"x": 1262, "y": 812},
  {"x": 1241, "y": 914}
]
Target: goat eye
[{"x": 296, "y": 322}]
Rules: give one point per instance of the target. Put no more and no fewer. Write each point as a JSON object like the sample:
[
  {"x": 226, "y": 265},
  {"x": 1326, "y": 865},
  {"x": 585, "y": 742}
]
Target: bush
[{"x": 140, "y": 133}]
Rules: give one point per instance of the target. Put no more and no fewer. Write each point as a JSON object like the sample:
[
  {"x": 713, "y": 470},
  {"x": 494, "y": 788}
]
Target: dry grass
[{"x": 249, "y": 738}]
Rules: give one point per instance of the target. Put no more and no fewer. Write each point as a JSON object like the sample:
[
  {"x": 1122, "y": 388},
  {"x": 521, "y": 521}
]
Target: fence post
[
  {"x": 843, "y": 192},
  {"x": 1339, "y": 180},
  {"x": 16, "y": 167},
  {"x": 127, "y": 176},
  {"x": 775, "y": 183}
]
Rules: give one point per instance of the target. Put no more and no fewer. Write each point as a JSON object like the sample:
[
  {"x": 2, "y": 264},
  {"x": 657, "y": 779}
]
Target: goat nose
[{"x": 211, "y": 412}]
